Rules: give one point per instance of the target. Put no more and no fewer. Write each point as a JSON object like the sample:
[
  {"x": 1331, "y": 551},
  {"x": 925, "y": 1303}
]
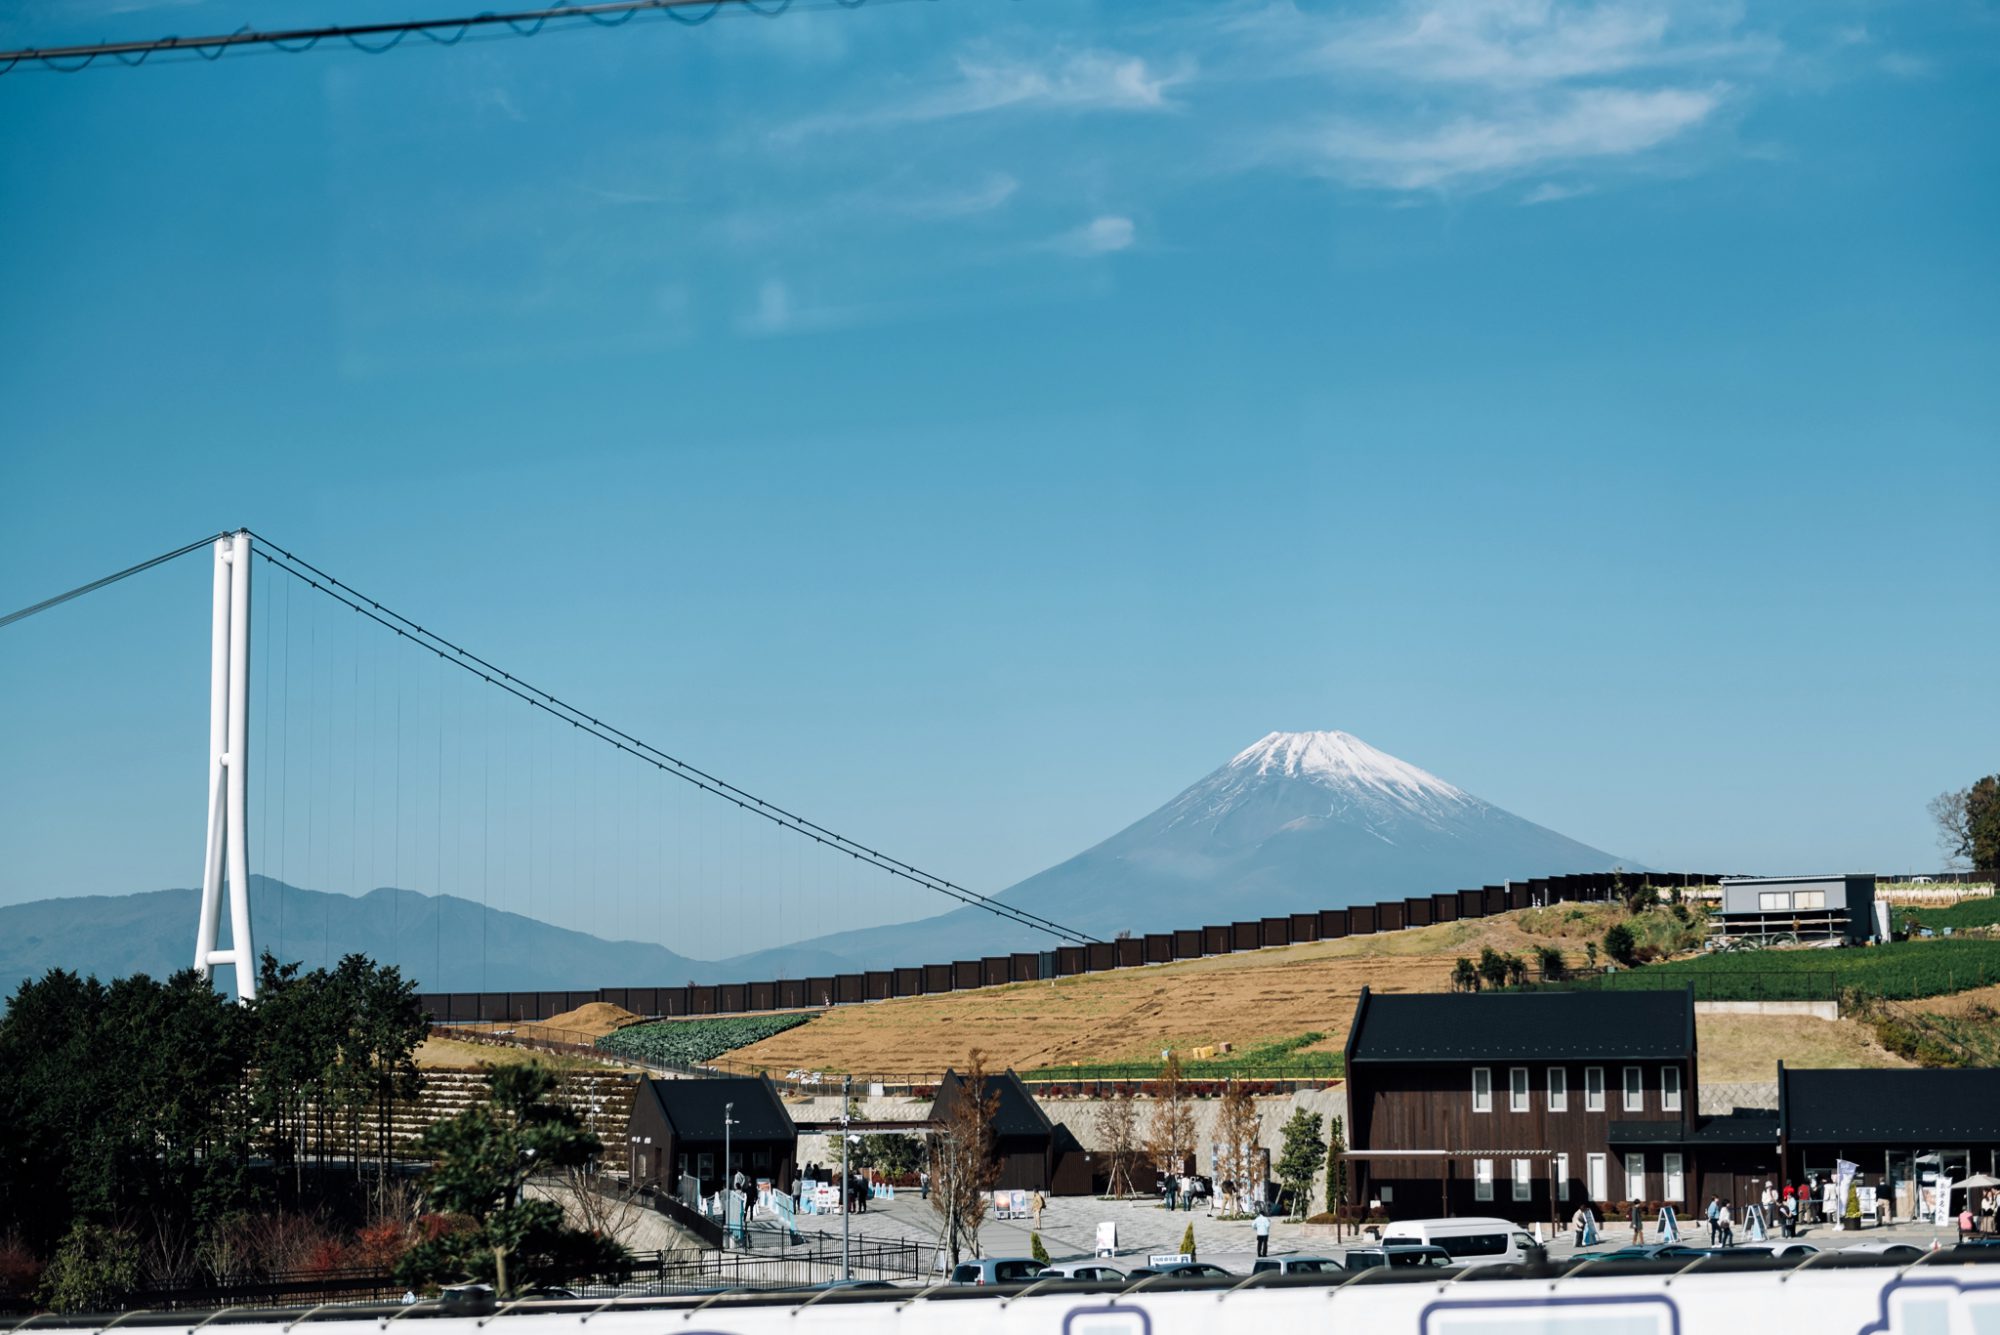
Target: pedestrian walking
[
  {"x": 1263, "y": 1226},
  {"x": 1726, "y": 1224},
  {"x": 1638, "y": 1226},
  {"x": 1576, "y": 1223},
  {"x": 923, "y": 1184},
  {"x": 1714, "y": 1213},
  {"x": 1167, "y": 1191}
]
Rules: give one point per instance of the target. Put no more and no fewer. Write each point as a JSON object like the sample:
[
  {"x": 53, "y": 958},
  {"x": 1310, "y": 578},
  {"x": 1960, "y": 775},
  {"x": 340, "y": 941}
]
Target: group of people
[{"x": 1180, "y": 1192}]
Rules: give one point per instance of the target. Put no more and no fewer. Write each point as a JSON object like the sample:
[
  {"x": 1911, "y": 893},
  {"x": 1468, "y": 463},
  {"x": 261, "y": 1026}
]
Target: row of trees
[
  {"x": 142, "y": 1104},
  {"x": 160, "y": 1135}
]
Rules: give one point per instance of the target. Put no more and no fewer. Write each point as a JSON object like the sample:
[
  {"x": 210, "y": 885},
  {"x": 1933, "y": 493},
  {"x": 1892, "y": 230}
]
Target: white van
[{"x": 1469, "y": 1241}]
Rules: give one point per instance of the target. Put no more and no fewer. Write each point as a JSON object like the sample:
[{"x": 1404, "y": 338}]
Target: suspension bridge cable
[
  {"x": 107, "y": 581},
  {"x": 377, "y": 38},
  {"x": 553, "y": 705}
]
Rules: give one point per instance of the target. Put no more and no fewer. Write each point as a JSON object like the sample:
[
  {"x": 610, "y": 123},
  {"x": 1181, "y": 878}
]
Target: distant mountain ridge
[
  {"x": 1296, "y": 821},
  {"x": 113, "y": 936}
]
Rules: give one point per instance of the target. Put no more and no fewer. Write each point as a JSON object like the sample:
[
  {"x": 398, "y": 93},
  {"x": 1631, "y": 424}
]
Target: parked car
[
  {"x": 1181, "y": 1270},
  {"x": 466, "y": 1298},
  {"x": 1090, "y": 1270},
  {"x": 1658, "y": 1251},
  {"x": 1366, "y": 1258},
  {"x": 997, "y": 1270},
  {"x": 1904, "y": 1252},
  {"x": 1784, "y": 1250},
  {"x": 1472, "y": 1241},
  {"x": 1297, "y": 1265}
]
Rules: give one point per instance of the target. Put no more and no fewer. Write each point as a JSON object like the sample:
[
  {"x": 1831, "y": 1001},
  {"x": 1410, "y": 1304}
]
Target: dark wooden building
[
  {"x": 677, "y": 1129},
  {"x": 1905, "y": 1130},
  {"x": 1033, "y": 1153},
  {"x": 1505, "y": 1104}
]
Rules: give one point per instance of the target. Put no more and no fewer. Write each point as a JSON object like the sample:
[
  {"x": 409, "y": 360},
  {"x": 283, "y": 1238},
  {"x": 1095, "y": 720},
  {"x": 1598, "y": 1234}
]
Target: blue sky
[{"x": 972, "y": 421}]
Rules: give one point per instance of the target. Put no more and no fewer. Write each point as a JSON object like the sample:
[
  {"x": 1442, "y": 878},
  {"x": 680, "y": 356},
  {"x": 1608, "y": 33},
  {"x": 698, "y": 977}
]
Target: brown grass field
[{"x": 1248, "y": 999}]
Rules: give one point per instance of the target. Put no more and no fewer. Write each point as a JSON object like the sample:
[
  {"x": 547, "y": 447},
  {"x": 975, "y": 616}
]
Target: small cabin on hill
[
  {"x": 1806, "y": 908},
  {"x": 677, "y": 1130}
]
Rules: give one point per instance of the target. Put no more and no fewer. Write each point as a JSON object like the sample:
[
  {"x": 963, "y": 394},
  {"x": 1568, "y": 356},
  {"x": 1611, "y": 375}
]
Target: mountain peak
[{"x": 1339, "y": 760}]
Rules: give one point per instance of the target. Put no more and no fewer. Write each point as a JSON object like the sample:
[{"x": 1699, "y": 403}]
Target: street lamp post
[{"x": 846, "y": 1209}]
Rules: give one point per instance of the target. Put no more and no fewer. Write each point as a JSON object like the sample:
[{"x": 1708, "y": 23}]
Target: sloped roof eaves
[
  {"x": 1017, "y": 1114},
  {"x": 694, "y": 1108},
  {"x": 1411, "y": 1028},
  {"x": 1939, "y": 1109}
]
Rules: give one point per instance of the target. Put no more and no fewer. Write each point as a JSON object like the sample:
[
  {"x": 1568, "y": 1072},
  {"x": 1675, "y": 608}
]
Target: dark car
[
  {"x": 1297, "y": 1265},
  {"x": 1398, "y": 1256},
  {"x": 1182, "y": 1270}
]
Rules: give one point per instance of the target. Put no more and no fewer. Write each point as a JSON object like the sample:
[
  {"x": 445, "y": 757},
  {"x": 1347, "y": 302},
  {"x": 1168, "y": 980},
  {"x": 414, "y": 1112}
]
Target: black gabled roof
[
  {"x": 1939, "y": 1109},
  {"x": 1017, "y": 1113},
  {"x": 1734, "y": 1129},
  {"x": 694, "y": 1107},
  {"x": 1522, "y": 1026}
]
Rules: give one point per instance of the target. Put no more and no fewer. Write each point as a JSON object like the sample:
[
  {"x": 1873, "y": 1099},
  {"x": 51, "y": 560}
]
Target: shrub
[
  {"x": 1552, "y": 964},
  {"x": 691, "y": 1042},
  {"x": 1620, "y": 946},
  {"x": 93, "y": 1269},
  {"x": 1187, "y": 1242},
  {"x": 1464, "y": 976},
  {"x": 1492, "y": 966},
  {"x": 1040, "y": 1253}
]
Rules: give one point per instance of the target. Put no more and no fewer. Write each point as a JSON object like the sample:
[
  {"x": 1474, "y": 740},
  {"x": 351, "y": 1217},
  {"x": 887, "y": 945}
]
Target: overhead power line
[
  {"x": 646, "y": 752},
  {"x": 376, "y": 38}
]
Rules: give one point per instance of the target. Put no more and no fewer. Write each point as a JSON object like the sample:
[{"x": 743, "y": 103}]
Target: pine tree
[
  {"x": 1187, "y": 1243},
  {"x": 482, "y": 1161},
  {"x": 1036, "y": 1250}
]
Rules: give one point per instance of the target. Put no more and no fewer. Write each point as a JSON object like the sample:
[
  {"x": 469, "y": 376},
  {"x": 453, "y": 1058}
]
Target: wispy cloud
[
  {"x": 986, "y": 81},
  {"x": 1592, "y": 123},
  {"x": 1552, "y": 192},
  {"x": 1531, "y": 43},
  {"x": 1103, "y": 235}
]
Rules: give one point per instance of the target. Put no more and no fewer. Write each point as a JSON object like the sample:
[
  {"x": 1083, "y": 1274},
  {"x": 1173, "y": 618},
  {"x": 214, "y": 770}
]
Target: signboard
[
  {"x": 1107, "y": 1238},
  {"x": 1169, "y": 1258}
]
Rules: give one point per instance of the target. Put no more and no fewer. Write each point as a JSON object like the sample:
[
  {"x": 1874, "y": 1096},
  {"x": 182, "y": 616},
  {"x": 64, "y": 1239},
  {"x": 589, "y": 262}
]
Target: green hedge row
[
  {"x": 1897, "y": 971},
  {"x": 691, "y": 1042}
]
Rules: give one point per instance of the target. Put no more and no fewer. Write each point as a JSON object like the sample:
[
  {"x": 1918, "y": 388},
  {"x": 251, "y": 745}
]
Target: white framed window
[
  {"x": 1635, "y": 1089},
  {"x": 1809, "y": 899},
  {"x": 1635, "y": 1177},
  {"x": 1482, "y": 1179},
  {"x": 1772, "y": 900},
  {"x": 1558, "y": 1089},
  {"x": 1562, "y": 1177},
  {"x": 1523, "y": 1188},
  {"x": 1671, "y": 1186},
  {"x": 1593, "y": 1092},
  {"x": 1600, "y": 1177},
  {"x": 1482, "y": 1089},
  {"x": 1670, "y": 1088},
  {"x": 1517, "y": 1089}
]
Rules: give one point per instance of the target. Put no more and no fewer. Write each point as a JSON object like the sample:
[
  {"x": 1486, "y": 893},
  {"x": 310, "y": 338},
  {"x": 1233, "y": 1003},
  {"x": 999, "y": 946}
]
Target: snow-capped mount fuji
[{"x": 1294, "y": 822}]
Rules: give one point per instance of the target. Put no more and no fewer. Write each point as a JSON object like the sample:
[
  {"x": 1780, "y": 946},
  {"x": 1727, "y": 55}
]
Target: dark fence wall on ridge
[{"x": 1061, "y": 962}]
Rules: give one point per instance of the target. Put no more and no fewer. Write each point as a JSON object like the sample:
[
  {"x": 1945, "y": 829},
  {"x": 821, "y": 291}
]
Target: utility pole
[{"x": 846, "y": 1210}]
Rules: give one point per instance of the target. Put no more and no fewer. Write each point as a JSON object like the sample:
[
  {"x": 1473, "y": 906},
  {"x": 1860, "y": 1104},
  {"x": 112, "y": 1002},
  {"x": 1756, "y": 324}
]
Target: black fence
[
  {"x": 283, "y": 1290},
  {"x": 1133, "y": 951},
  {"x": 814, "y": 1261}
]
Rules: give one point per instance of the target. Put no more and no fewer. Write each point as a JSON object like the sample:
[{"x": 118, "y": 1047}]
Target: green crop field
[
  {"x": 691, "y": 1042},
  {"x": 1898, "y": 971},
  {"x": 1981, "y": 912},
  {"x": 1279, "y": 1059}
]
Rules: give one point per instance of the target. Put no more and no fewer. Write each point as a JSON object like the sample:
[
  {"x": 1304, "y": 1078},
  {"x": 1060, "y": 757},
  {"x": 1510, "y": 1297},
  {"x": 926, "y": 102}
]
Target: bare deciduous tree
[
  {"x": 1951, "y": 812},
  {"x": 1236, "y": 1128},
  {"x": 1170, "y": 1129},
  {"x": 1118, "y": 1133},
  {"x": 963, "y": 1168}
]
